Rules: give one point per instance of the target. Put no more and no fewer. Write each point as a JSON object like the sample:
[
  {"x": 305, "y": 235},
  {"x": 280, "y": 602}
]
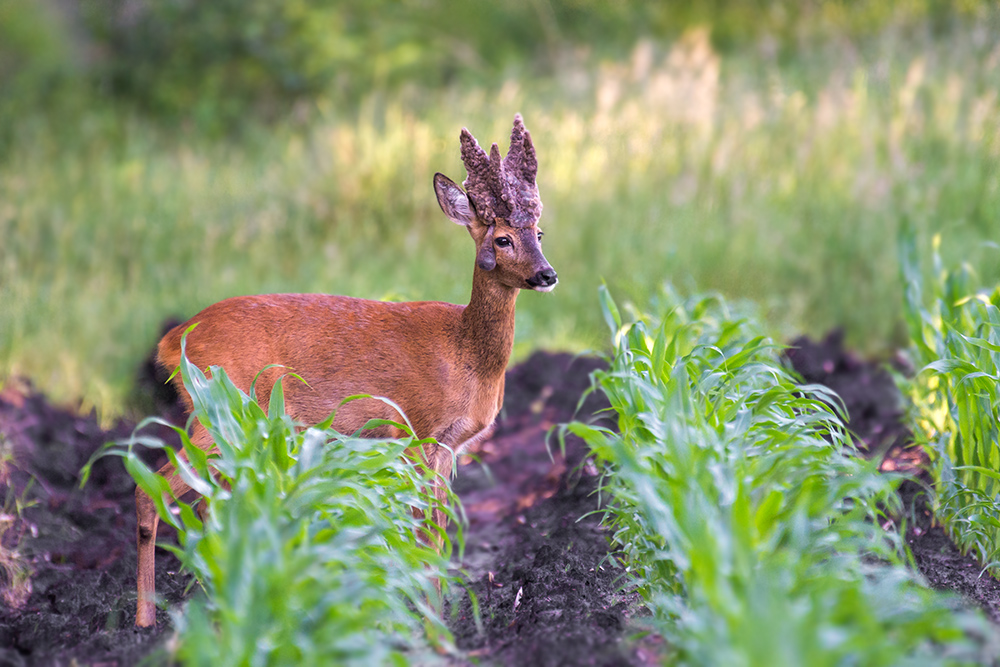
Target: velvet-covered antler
[{"x": 506, "y": 188}]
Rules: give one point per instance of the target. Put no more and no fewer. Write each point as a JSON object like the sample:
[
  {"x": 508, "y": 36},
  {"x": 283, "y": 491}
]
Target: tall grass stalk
[
  {"x": 753, "y": 532},
  {"x": 777, "y": 179},
  {"x": 955, "y": 330},
  {"x": 312, "y": 552}
]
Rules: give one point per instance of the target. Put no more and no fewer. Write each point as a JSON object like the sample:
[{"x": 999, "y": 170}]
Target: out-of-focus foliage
[
  {"x": 775, "y": 169},
  {"x": 783, "y": 182},
  {"x": 224, "y": 62},
  {"x": 30, "y": 45},
  {"x": 751, "y": 528},
  {"x": 311, "y": 553},
  {"x": 38, "y": 56},
  {"x": 955, "y": 333},
  {"x": 219, "y": 60}
]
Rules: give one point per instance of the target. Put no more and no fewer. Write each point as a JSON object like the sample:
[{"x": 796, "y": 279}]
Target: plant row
[
  {"x": 314, "y": 550},
  {"x": 746, "y": 520},
  {"x": 753, "y": 531},
  {"x": 955, "y": 330}
]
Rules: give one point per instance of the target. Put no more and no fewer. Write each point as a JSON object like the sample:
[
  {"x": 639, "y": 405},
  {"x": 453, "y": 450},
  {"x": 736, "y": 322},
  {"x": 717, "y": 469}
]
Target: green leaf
[
  {"x": 155, "y": 486},
  {"x": 611, "y": 315}
]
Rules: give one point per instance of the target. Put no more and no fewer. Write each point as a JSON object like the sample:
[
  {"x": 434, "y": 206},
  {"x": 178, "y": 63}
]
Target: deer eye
[
  {"x": 502, "y": 242},
  {"x": 540, "y": 235}
]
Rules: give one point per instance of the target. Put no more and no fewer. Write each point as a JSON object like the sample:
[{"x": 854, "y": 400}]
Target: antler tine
[
  {"x": 503, "y": 188},
  {"x": 503, "y": 202},
  {"x": 521, "y": 158},
  {"x": 477, "y": 184},
  {"x": 512, "y": 163},
  {"x": 496, "y": 165},
  {"x": 474, "y": 157},
  {"x": 529, "y": 165}
]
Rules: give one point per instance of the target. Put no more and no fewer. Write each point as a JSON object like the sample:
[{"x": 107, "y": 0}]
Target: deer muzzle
[{"x": 544, "y": 280}]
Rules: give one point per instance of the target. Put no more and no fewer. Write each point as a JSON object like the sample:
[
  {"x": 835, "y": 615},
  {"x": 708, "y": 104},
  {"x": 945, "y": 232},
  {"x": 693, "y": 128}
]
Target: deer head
[{"x": 500, "y": 207}]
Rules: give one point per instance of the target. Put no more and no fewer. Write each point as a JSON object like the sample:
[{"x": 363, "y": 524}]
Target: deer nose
[{"x": 544, "y": 278}]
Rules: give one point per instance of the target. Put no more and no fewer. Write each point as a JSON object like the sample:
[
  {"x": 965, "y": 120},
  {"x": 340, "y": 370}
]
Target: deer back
[{"x": 340, "y": 346}]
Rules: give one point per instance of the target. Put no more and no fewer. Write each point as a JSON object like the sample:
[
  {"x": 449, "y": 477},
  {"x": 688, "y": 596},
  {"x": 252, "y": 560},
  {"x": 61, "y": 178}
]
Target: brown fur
[{"x": 442, "y": 363}]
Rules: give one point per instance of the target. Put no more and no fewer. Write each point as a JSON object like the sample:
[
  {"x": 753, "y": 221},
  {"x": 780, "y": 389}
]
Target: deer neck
[{"x": 488, "y": 324}]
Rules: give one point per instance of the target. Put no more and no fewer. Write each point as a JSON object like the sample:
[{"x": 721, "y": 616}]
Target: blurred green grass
[{"x": 775, "y": 173}]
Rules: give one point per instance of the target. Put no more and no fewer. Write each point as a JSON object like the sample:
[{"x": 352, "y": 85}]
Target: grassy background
[{"x": 775, "y": 164}]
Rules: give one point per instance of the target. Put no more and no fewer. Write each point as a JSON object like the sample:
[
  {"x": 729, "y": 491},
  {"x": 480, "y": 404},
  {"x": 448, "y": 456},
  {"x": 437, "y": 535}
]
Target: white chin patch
[{"x": 547, "y": 288}]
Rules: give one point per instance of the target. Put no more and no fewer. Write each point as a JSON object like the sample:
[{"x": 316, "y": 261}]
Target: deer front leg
[
  {"x": 438, "y": 459},
  {"x": 441, "y": 460}
]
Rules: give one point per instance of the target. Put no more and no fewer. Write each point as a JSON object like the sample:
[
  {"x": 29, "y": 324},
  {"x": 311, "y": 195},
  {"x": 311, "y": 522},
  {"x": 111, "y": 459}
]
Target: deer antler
[{"x": 503, "y": 189}]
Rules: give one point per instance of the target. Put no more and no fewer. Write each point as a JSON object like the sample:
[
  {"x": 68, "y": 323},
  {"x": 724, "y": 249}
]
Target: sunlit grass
[
  {"x": 955, "y": 331},
  {"x": 743, "y": 516},
  {"x": 780, "y": 180}
]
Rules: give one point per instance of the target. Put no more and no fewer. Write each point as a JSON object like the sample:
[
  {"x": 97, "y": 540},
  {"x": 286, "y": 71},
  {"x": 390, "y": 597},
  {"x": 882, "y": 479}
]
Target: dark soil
[
  {"x": 79, "y": 543},
  {"x": 540, "y": 568},
  {"x": 545, "y": 579}
]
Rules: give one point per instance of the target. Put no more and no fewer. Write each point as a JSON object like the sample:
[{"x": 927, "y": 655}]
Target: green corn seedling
[
  {"x": 311, "y": 552},
  {"x": 956, "y": 397},
  {"x": 747, "y": 523}
]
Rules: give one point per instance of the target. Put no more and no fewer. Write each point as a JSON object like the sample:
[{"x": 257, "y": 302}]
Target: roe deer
[{"x": 442, "y": 363}]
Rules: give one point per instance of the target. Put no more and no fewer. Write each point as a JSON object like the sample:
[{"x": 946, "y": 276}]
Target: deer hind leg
[
  {"x": 147, "y": 523},
  {"x": 442, "y": 464}
]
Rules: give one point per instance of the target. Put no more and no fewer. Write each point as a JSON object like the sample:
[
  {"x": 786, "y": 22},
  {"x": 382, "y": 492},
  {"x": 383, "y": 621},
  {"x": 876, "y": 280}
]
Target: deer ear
[{"x": 453, "y": 201}]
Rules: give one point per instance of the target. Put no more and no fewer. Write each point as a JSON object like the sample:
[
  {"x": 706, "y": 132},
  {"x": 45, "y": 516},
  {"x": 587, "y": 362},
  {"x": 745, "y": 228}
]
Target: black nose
[{"x": 543, "y": 278}]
